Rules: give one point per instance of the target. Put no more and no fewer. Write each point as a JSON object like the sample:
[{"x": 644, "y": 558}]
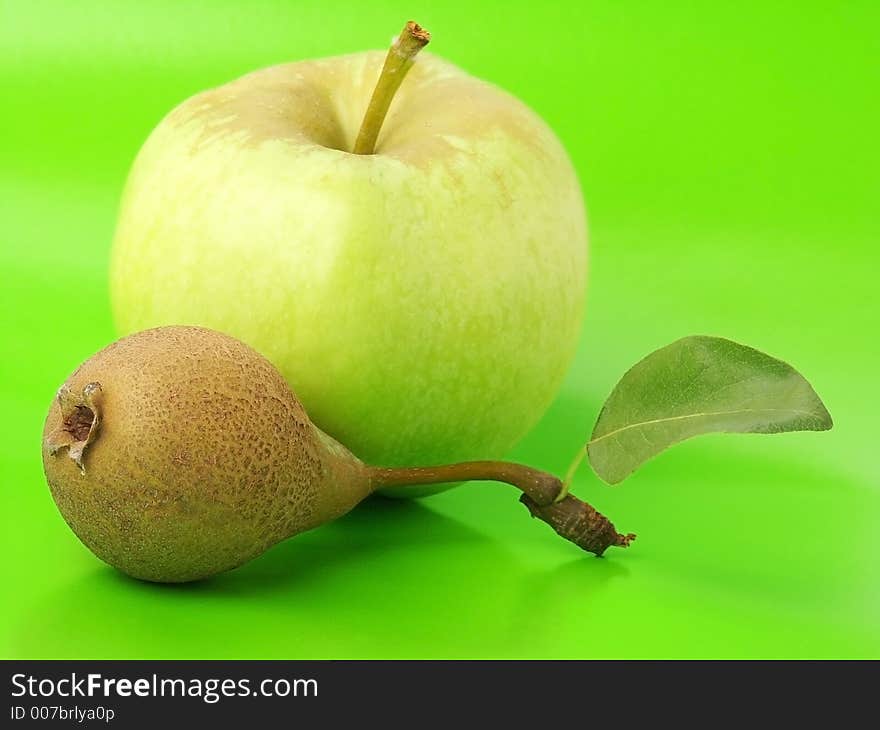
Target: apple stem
[
  {"x": 413, "y": 38},
  {"x": 543, "y": 495}
]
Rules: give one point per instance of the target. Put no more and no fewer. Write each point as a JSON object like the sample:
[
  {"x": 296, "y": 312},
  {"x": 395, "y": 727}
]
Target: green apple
[{"x": 424, "y": 300}]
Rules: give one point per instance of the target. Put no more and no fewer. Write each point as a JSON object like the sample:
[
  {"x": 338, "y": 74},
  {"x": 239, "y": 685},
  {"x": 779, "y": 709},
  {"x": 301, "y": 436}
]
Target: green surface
[{"x": 729, "y": 156}]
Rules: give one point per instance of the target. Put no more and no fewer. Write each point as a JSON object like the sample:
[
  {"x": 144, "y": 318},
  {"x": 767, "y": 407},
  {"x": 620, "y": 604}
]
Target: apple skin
[{"x": 424, "y": 302}]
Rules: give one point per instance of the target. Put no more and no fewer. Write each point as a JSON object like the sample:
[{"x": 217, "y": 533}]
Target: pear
[{"x": 177, "y": 453}]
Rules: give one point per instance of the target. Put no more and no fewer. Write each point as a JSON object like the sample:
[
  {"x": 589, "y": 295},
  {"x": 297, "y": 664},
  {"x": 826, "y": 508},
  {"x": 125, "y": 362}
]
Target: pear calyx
[{"x": 80, "y": 419}]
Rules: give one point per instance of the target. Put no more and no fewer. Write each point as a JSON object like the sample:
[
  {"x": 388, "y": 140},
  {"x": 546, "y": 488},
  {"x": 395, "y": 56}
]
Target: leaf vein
[{"x": 705, "y": 414}]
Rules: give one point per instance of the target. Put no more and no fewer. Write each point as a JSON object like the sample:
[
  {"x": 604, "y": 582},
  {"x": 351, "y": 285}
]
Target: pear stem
[
  {"x": 413, "y": 38},
  {"x": 580, "y": 523},
  {"x": 541, "y": 487},
  {"x": 543, "y": 495}
]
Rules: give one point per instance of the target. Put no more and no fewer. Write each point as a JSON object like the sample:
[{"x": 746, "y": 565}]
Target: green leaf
[{"x": 694, "y": 386}]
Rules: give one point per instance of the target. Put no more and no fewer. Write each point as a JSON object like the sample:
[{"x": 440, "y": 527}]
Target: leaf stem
[
  {"x": 571, "y": 471},
  {"x": 413, "y": 38}
]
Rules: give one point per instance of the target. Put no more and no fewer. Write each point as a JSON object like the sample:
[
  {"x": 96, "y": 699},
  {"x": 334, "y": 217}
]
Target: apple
[{"x": 418, "y": 279}]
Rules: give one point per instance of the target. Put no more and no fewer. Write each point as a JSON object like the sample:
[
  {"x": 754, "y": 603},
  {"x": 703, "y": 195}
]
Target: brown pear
[
  {"x": 190, "y": 456},
  {"x": 177, "y": 453}
]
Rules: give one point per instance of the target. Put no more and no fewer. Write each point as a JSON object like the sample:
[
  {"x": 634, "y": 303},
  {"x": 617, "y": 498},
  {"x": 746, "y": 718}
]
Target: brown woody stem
[
  {"x": 579, "y": 523},
  {"x": 413, "y": 38},
  {"x": 541, "y": 487},
  {"x": 571, "y": 518}
]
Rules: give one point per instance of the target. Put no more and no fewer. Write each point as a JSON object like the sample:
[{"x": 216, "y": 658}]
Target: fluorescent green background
[{"x": 729, "y": 156}]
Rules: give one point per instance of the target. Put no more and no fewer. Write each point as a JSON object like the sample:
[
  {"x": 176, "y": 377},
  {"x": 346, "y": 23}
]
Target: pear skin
[{"x": 179, "y": 452}]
